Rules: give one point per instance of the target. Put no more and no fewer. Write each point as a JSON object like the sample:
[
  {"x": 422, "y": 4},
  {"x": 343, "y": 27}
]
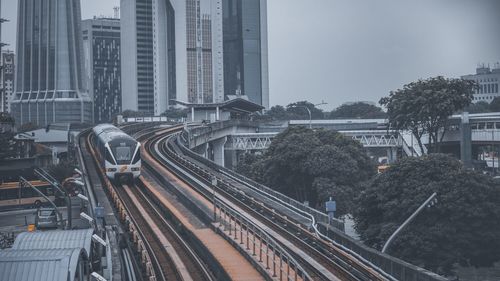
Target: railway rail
[
  {"x": 165, "y": 149},
  {"x": 164, "y": 253}
]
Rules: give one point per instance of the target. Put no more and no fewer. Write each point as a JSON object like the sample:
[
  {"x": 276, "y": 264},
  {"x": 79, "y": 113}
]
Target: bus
[{"x": 13, "y": 195}]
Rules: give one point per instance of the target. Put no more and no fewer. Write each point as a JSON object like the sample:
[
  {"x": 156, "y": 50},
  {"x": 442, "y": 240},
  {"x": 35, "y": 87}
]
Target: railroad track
[
  {"x": 336, "y": 260},
  {"x": 169, "y": 257}
]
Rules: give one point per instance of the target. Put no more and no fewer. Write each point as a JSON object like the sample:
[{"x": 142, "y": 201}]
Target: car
[{"x": 46, "y": 218}]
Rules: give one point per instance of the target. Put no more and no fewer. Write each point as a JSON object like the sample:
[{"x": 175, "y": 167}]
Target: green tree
[
  {"x": 7, "y": 149},
  {"x": 359, "y": 110},
  {"x": 6, "y": 118},
  {"x": 495, "y": 105},
  {"x": 311, "y": 166},
  {"x": 478, "y": 107},
  {"x": 61, "y": 171},
  {"x": 176, "y": 113},
  {"x": 461, "y": 228},
  {"x": 423, "y": 107},
  {"x": 132, "y": 113},
  {"x": 298, "y": 111},
  {"x": 30, "y": 126}
]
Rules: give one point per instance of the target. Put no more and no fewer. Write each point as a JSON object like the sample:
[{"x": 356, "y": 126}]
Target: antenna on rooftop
[{"x": 117, "y": 12}]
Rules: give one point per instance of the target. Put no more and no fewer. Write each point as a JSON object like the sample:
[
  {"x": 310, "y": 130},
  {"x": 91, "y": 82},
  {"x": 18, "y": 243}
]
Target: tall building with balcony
[
  {"x": 488, "y": 81},
  {"x": 49, "y": 75},
  {"x": 245, "y": 50},
  {"x": 101, "y": 48},
  {"x": 6, "y": 80}
]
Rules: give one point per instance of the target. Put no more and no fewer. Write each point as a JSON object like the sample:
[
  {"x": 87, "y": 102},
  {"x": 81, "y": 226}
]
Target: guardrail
[
  {"x": 258, "y": 242},
  {"x": 395, "y": 267},
  {"x": 318, "y": 216}
]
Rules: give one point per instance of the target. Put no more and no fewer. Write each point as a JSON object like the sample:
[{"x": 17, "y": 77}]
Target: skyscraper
[
  {"x": 101, "y": 48},
  {"x": 49, "y": 85},
  {"x": 245, "y": 50},
  {"x": 148, "y": 55},
  {"x": 7, "y": 80},
  {"x": 185, "y": 58}
]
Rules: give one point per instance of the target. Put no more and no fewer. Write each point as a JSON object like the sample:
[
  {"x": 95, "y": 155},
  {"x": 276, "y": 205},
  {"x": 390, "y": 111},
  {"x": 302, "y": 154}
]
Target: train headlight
[
  {"x": 111, "y": 169},
  {"x": 135, "y": 169}
]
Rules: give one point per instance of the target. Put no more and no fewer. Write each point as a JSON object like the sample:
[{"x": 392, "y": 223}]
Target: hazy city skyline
[{"x": 341, "y": 51}]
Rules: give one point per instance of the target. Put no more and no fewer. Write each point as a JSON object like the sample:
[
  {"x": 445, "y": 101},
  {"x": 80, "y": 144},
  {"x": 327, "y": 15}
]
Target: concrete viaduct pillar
[{"x": 218, "y": 150}]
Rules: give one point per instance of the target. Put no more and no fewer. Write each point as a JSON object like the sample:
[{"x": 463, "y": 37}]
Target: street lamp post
[
  {"x": 429, "y": 202},
  {"x": 309, "y": 111}
]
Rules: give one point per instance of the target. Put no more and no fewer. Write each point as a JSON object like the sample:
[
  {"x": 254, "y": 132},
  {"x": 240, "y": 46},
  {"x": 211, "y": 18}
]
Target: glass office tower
[
  {"x": 245, "y": 50},
  {"x": 49, "y": 86}
]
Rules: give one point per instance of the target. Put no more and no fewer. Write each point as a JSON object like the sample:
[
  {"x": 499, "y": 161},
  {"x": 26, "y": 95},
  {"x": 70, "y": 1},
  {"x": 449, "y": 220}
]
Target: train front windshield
[{"x": 123, "y": 151}]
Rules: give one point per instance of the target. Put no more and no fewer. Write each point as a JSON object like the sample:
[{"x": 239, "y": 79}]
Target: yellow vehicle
[
  {"x": 12, "y": 194},
  {"x": 382, "y": 168}
]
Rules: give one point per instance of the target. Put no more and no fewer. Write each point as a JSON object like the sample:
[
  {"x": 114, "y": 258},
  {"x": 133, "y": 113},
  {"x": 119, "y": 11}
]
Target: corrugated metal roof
[
  {"x": 55, "y": 239},
  {"x": 40, "y": 265}
]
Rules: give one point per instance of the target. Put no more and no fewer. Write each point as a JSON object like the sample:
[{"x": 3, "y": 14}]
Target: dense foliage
[
  {"x": 312, "y": 166},
  {"x": 478, "y": 107},
  {"x": 423, "y": 107},
  {"x": 61, "y": 171},
  {"x": 298, "y": 111},
  {"x": 6, "y": 138},
  {"x": 176, "y": 113},
  {"x": 294, "y": 111},
  {"x": 359, "y": 110},
  {"x": 461, "y": 228}
]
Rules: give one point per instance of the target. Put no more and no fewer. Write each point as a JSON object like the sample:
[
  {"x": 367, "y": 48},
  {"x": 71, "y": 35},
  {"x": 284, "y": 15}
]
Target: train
[{"x": 118, "y": 153}]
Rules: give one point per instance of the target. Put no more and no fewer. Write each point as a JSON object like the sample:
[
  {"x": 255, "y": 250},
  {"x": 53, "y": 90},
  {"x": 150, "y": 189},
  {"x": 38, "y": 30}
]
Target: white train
[{"x": 118, "y": 152}]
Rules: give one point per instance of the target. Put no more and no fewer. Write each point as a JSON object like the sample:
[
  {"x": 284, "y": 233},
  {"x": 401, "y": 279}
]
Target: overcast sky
[{"x": 348, "y": 50}]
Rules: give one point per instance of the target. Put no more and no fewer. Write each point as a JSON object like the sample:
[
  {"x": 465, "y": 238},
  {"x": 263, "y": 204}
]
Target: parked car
[{"x": 46, "y": 218}]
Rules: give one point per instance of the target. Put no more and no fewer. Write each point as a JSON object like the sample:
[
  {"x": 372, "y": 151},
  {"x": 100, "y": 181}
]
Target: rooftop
[
  {"x": 40, "y": 265},
  {"x": 237, "y": 104}
]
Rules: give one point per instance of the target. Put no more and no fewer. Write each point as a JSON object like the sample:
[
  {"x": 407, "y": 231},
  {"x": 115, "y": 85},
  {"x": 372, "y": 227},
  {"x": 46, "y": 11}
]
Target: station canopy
[{"x": 233, "y": 105}]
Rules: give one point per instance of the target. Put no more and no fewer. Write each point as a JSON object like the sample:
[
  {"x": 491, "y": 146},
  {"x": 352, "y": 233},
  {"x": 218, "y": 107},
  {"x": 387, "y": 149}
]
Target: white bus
[{"x": 12, "y": 195}]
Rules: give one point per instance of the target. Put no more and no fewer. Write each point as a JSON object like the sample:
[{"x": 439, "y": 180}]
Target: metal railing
[
  {"x": 256, "y": 241},
  {"x": 264, "y": 190}
]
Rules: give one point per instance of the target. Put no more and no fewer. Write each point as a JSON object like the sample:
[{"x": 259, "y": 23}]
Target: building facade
[
  {"x": 245, "y": 50},
  {"x": 7, "y": 80},
  {"x": 488, "y": 80},
  {"x": 185, "y": 58},
  {"x": 101, "y": 48},
  {"x": 49, "y": 74}
]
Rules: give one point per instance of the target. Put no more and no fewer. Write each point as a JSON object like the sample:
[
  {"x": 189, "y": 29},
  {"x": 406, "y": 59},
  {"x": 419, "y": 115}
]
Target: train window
[
  {"x": 137, "y": 157},
  {"x": 123, "y": 153},
  {"x": 490, "y": 125},
  {"x": 497, "y": 125},
  {"x": 109, "y": 158},
  {"x": 480, "y": 126}
]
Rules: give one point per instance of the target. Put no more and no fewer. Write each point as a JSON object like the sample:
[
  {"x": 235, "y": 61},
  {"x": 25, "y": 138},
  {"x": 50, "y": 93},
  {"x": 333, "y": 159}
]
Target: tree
[
  {"x": 359, "y": 110},
  {"x": 478, "y": 107},
  {"x": 30, "y": 126},
  {"x": 6, "y": 137},
  {"x": 298, "y": 111},
  {"x": 176, "y": 113},
  {"x": 131, "y": 113},
  {"x": 312, "y": 166},
  {"x": 495, "y": 105},
  {"x": 61, "y": 171},
  {"x": 461, "y": 228},
  {"x": 423, "y": 107},
  {"x": 6, "y": 118}
]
